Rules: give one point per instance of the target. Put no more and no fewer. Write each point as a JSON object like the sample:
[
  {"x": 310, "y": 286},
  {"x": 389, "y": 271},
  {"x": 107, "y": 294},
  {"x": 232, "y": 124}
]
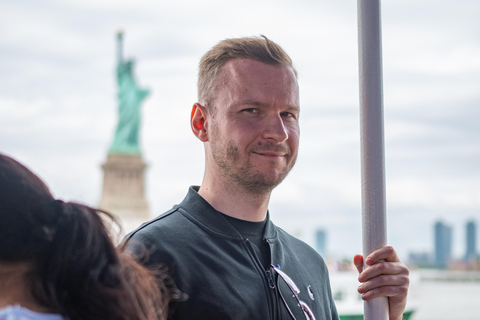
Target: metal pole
[{"x": 372, "y": 142}]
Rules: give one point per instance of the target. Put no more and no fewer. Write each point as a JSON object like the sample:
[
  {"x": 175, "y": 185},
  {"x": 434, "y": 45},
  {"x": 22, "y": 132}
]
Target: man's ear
[{"x": 198, "y": 119}]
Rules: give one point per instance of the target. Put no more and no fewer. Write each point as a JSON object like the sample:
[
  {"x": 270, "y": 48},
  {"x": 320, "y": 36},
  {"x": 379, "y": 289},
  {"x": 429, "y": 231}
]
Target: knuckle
[
  {"x": 406, "y": 271},
  {"x": 403, "y": 290},
  {"x": 390, "y": 250},
  {"x": 383, "y": 265}
]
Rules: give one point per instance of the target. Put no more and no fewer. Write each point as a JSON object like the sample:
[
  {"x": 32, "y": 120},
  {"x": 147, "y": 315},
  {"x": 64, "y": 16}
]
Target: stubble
[{"x": 227, "y": 156}]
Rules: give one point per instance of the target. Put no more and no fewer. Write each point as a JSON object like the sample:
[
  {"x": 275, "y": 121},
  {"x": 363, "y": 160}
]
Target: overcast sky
[{"x": 58, "y": 107}]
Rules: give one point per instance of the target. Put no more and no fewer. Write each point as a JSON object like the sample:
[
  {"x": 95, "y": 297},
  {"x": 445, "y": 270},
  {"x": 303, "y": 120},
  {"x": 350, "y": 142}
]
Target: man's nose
[{"x": 275, "y": 129}]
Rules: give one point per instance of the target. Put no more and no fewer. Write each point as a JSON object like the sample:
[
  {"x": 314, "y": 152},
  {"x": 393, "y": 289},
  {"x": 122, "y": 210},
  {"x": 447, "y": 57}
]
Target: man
[{"x": 219, "y": 243}]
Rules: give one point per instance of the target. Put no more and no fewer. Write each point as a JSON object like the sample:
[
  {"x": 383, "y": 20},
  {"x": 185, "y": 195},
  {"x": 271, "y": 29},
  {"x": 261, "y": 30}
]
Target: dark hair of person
[
  {"x": 76, "y": 269},
  {"x": 260, "y": 49}
]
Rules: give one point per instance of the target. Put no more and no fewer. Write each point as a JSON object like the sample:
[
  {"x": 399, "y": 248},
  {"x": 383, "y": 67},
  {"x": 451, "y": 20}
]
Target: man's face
[{"x": 253, "y": 129}]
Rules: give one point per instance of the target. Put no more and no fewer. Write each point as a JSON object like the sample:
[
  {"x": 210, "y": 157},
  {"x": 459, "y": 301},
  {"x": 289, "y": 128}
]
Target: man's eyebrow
[
  {"x": 254, "y": 103},
  {"x": 262, "y": 104}
]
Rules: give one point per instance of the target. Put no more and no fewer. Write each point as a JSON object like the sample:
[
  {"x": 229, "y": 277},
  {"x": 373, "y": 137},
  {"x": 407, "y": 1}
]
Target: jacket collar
[{"x": 201, "y": 212}]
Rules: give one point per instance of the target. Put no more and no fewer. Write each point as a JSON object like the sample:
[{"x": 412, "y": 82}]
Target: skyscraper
[
  {"x": 443, "y": 244},
  {"x": 471, "y": 241}
]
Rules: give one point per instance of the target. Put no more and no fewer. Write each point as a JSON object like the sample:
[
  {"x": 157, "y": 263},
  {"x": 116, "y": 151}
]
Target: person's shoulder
[
  {"x": 297, "y": 245},
  {"x": 155, "y": 227},
  {"x": 147, "y": 243},
  {"x": 168, "y": 223}
]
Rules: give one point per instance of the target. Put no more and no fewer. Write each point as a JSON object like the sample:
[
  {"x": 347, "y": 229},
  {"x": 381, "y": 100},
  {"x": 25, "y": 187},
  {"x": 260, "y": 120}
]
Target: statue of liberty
[{"x": 130, "y": 97}]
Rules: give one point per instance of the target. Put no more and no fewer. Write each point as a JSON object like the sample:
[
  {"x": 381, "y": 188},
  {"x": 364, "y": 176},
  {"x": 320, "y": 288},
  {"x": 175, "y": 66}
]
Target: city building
[
  {"x": 443, "y": 244},
  {"x": 471, "y": 241}
]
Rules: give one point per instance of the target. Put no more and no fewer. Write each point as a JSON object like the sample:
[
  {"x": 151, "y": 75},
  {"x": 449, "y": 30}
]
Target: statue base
[{"x": 123, "y": 192}]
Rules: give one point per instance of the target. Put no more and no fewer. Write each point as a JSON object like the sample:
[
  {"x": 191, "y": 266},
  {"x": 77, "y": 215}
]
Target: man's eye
[
  {"x": 287, "y": 114},
  {"x": 250, "y": 110}
]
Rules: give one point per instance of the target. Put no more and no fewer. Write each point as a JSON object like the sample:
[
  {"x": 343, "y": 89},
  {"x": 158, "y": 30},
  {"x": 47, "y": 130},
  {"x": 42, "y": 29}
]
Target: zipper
[
  {"x": 268, "y": 278},
  {"x": 271, "y": 282},
  {"x": 268, "y": 272}
]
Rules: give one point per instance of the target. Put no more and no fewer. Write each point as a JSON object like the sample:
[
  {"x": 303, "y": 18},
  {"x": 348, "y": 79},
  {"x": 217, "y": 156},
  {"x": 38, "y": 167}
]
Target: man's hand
[{"x": 384, "y": 276}]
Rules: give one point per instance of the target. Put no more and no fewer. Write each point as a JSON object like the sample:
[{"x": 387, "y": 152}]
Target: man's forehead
[
  {"x": 247, "y": 78},
  {"x": 248, "y": 70}
]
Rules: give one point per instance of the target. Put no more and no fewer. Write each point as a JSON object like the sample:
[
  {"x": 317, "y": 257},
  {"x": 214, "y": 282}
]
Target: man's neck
[{"x": 234, "y": 201}]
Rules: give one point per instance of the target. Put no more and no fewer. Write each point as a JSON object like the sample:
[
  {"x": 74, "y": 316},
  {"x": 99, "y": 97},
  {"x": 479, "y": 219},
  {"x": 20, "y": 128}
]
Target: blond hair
[{"x": 260, "y": 49}]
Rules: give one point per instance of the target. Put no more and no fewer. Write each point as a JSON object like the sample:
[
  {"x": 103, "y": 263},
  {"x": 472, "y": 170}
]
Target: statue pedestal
[{"x": 123, "y": 192}]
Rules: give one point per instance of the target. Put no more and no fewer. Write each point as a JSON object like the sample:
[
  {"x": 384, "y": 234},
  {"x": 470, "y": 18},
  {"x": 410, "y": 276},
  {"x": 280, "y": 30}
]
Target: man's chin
[{"x": 263, "y": 184}]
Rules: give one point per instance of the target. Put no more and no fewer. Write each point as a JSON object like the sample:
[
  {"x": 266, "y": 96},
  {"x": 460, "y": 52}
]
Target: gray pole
[{"x": 372, "y": 144}]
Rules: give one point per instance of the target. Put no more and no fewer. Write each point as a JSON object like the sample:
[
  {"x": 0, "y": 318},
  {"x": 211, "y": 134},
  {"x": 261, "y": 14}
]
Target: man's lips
[
  {"x": 271, "y": 151},
  {"x": 278, "y": 153},
  {"x": 271, "y": 154}
]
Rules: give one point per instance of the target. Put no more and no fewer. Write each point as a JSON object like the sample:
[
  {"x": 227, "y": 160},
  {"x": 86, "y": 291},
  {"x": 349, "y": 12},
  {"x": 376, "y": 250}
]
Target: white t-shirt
[{"x": 20, "y": 313}]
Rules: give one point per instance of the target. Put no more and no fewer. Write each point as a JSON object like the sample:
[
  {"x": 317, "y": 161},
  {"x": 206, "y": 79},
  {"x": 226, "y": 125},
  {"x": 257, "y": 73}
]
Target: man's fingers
[
  {"x": 386, "y": 282},
  {"x": 384, "y": 291},
  {"x": 383, "y": 268},
  {"x": 358, "y": 262},
  {"x": 384, "y": 276},
  {"x": 386, "y": 253}
]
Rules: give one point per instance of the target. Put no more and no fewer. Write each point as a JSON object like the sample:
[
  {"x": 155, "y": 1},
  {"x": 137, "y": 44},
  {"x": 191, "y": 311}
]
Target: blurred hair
[
  {"x": 260, "y": 49},
  {"x": 76, "y": 269}
]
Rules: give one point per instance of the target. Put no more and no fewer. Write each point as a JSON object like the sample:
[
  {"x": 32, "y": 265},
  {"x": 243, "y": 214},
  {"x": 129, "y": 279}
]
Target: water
[
  {"x": 444, "y": 300},
  {"x": 430, "y": 294}
]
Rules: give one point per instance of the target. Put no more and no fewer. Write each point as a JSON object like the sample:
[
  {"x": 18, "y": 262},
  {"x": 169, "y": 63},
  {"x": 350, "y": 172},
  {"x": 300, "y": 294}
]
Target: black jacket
[{"x": 220, "y": 271}]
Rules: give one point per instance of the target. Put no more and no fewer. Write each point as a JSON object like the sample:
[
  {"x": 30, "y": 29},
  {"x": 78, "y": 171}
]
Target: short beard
[{"x": 252, "y": 182}]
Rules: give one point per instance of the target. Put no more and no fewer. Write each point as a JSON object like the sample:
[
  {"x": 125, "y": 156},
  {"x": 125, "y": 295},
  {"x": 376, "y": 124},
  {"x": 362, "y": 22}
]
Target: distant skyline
[
  {"x": 58, "y": 104},
  {"x": 441, "y": 255}
]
